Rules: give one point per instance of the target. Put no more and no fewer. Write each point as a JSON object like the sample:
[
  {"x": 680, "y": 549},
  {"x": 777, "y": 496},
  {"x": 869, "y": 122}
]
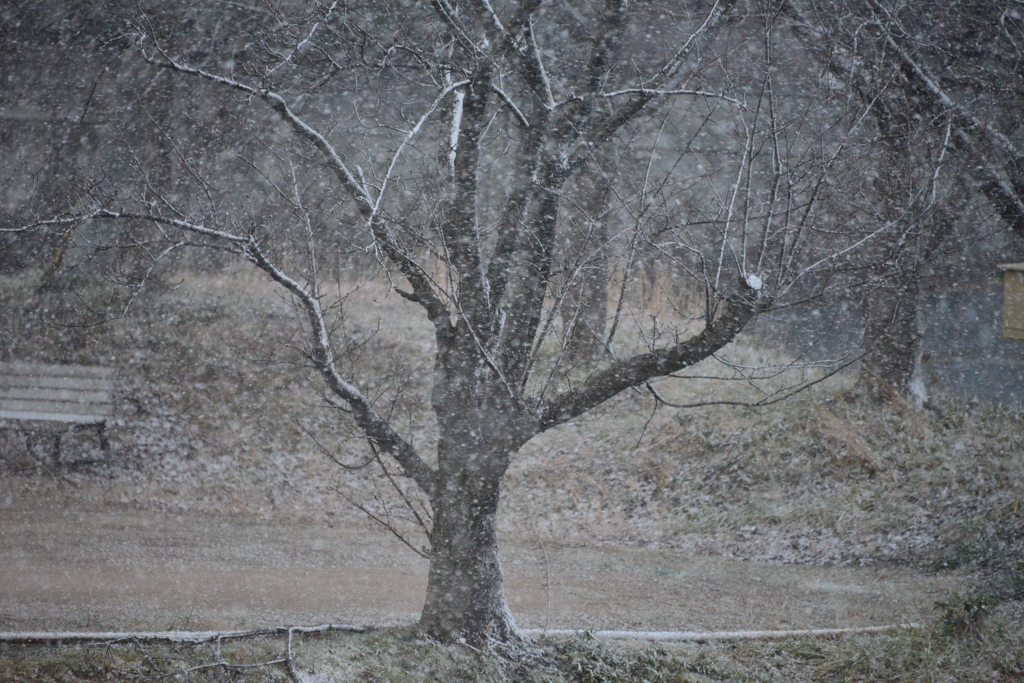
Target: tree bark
[
  {"x": 465, "y": 588},
  {"x": 892, "y": 342},
  {"x": 891, "y": 336},
  {"x": 480, "y": 428}
]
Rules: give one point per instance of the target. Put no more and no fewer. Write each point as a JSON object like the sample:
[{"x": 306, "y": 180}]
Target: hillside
[{"x": 217, "y": 416}]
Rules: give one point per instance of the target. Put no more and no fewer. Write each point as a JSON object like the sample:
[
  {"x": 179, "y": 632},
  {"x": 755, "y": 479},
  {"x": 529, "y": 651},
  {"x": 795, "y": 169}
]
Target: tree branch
[
  {"x": 1004, "y": 195},
  {"x": 635, "y": 371},
  {"x": 365, "y": 415},
  {"x": 606, "y": 127},
  {"x": 459, "y": 228},
  {"x": 423, "y": 292}
]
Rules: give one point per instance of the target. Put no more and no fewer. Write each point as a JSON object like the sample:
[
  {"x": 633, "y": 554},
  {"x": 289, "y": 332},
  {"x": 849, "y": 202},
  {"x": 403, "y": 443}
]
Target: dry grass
[
  {"x": 134, "y": 661},
  {"x": 399, "y": 656},
  {"x": 828, "y": 477}
]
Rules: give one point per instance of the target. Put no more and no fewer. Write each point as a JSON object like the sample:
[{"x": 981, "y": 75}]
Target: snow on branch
[
  {"x": 492, "y": 23},
  {"x": 76, "y": 219},
  {"x": 423, "y": 292},
  {"x": 523, "y": 121},
  {"x": 970, "y": 121},
  {"x": 278, "y": 104},
  {"x": 540, "y": 75},
  {"x": 302, "y": 43},
  {"x": 405, "y": 141},
  {"x": 375, "y": 426}
]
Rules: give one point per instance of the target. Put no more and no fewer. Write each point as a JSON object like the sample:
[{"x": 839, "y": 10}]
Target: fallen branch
[
  {"x": 706, "y": 636},
  {"x": 192, "y": 637},
  {"x": 196, "y": 637}
]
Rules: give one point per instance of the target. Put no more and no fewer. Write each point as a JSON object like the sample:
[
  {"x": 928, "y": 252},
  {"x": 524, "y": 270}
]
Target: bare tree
[
  {"x": 440, "y": 139},
  {"x": 945, "y": 87}
]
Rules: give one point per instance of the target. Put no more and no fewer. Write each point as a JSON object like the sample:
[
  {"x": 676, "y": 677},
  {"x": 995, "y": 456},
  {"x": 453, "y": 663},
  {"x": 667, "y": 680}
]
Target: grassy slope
[{"x": 828, "y": 477}]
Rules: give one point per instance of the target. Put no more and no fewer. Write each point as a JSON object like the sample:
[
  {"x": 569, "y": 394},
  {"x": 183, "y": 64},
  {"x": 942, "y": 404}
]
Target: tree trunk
[
  {"x": 585, "y": 312},
  {"x": 480, "y": 430},
  {"x": 465, "y": 589},
  {"x": 892, "y": 342}
]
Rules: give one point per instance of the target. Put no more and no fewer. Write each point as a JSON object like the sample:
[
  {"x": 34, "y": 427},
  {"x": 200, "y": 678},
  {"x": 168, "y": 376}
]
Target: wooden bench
[{"x": 74, "y": 395}]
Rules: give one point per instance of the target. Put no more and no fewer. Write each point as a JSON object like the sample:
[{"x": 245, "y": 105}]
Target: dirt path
[{"x": 63, "y": 566}]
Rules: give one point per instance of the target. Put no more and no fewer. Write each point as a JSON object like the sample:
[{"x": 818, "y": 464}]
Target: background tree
[
  {"x": 442, "y": 140},
  {"x": 54, "y": 60},
  {"x": 944, "y": 86}
]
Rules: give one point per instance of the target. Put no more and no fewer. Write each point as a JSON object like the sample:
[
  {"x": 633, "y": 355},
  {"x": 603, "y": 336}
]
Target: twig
[
  {"x": 221, "y": 664},
  {"x": 386, "y": 523},
  {"x": 289, "y": 662},
  {"x": 547, "y": 565}
]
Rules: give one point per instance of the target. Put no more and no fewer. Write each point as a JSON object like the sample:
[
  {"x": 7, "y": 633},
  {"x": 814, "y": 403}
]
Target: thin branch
[
  {"x": 523, "y": 121},
  {"x": 363, "y": 412},
  {"x": 304, "y": 41},
  {"x": 405, "y": 141},
  {"x": 653, "y": 92},
  {"x": 423, "y": 292},
  {"x": 635, "y": 371},
  {"x": 384, "y": 523},
  {"x": 777, "y": 397}
]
